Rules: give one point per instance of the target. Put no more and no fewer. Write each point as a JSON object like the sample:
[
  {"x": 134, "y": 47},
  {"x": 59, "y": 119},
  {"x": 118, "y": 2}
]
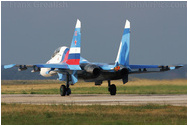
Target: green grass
[
  {"x": 137, "y": 86},
  {"x": 17, "y": 114},
  {"x": 155, "y": 89}
]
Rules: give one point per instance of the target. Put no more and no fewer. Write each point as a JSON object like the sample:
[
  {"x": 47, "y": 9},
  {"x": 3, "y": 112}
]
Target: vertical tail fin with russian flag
[
  {"x": 74, "y": 53},
  {"x": 123, "y": 53}
]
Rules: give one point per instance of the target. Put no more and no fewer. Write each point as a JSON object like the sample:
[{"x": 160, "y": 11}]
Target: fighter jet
[{"x": 70, "y": 66}]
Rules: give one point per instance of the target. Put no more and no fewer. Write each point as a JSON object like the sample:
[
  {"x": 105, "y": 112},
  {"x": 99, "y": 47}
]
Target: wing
[
  {"x": 53, "y": 66},
  {"x": 136, "y": 69}
]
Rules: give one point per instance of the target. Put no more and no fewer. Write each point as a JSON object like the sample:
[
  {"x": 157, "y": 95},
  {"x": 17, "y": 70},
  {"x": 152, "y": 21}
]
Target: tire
[
  {"x": 62, "y": 90},
  {"x": 68, "y": 91},
  {"x": 113, "y": 89}
]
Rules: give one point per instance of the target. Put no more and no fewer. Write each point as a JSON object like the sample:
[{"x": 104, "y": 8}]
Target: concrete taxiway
[{"x": 93, "y": 99}]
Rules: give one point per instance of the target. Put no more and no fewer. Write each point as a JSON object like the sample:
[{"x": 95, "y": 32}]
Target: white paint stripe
[
  {"x": 74, "y": 50},
  {"x": 118, "y": 52},
  {"x": 127, "y": 24},
  {"x": 78, "y": 24}
]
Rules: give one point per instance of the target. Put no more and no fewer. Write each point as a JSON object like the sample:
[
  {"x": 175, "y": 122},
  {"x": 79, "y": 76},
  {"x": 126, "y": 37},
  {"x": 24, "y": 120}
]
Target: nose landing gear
[{"x": 65, "y": 90}]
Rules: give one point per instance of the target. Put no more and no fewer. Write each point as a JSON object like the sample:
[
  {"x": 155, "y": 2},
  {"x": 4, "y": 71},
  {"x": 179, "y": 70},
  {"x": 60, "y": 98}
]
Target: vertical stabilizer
[
  {"x": 74, "y": 53},
  {"x": 123, "y": 53}
]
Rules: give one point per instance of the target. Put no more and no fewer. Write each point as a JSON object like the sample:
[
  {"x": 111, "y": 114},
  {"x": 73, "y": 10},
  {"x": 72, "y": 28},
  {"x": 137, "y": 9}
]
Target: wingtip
[
  {"x": 78, "y": 24},
  {"x": 179, "y": 66},
  {"x": 9, "y": 66},
  {"x": 127, "y": 24}
]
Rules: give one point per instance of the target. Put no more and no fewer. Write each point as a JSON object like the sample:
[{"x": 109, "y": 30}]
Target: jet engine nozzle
[
  {"x": 93, "y": 69},
  {"x": 124, "y": 71}
]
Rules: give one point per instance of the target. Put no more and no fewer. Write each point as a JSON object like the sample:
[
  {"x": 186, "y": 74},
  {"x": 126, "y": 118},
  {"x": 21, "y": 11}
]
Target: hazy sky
[{"x": 31, "y": 31}]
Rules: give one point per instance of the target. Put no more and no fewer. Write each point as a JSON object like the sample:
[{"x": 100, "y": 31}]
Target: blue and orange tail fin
[
  {"x": 74, "y": 53},
  {"x": 123, "y": 53}
]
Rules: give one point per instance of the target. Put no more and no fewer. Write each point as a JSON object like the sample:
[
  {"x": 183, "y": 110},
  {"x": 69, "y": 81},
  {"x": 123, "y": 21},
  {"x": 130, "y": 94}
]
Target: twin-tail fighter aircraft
[{"x": 69, "y": 65}]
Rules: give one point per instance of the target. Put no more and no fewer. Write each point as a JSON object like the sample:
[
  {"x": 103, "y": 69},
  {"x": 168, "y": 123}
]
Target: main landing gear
[
  {"x": 111, "y": 88},
  {"x": 65, "y": 90}
]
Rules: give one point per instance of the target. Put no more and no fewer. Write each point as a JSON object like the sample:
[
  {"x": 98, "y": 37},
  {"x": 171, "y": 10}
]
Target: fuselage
[
  {"x": 70, "y": 66},
  {"x": 60, "y": 56}
]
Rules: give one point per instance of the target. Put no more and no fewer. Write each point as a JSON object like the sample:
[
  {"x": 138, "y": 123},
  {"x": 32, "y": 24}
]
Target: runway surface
[{"x": 93, "y": 99}]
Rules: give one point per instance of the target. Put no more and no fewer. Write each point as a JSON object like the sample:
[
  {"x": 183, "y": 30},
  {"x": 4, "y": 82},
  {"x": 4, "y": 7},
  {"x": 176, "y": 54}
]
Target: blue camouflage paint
[
  {"x": 77, "y": 37},
  {"x": 172, "y": 68},
  {"x": 74, "y": 67},
  {"x": 124, "y": 51},
  {"x": 143, "y": 66},
  {"x": 63, "y": 66},
  {"x": 116, "y": 64},
  {"x": 9, "y": 66},
  {"x": 76, "y": 42},
  {"x": 62, "y": 77},
  {"x": 74, "y": 77},
  {"x": 82, "y": 60}
]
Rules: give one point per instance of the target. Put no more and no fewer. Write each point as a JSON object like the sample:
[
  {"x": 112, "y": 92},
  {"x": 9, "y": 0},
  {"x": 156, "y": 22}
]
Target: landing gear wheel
[
  {"x": 68, "y": 91},
  {"x": 62, "y": 90},
  {"x": 112, "y": 89}
]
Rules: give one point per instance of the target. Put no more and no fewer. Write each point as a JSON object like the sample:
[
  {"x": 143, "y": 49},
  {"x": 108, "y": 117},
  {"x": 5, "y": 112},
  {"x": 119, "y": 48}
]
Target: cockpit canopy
[{"x": 56, "y": 51}]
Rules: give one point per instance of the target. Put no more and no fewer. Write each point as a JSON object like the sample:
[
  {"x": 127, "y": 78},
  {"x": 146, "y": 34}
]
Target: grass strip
[
  {"x": 151, "y": 89},
  {"x": 19, "y": 114}
]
